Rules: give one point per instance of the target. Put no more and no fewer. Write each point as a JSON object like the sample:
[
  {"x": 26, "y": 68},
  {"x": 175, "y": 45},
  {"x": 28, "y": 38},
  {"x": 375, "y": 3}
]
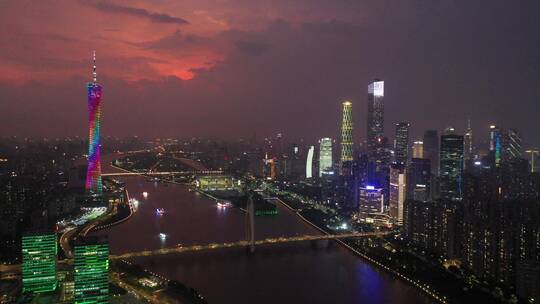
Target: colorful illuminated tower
[
  {"x": 93, "y": 174},
  {"x": 346, "y": 134}
]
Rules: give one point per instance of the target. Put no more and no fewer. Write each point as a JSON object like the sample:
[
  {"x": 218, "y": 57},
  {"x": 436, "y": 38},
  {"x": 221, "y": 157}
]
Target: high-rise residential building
[
  {"x": 91, "y": 266},
  {"x": 451, "y": 165},
  {"x": 39, "y": 262},
  {"x": 418, "y": 149},
  {"x": 468, "y": 148},
  {"x": 419, "y": 179},
  {"x": 346, "y": 134},
  {"x": 309, "y": 162},
  {"x": 495, "y": 145},
  {"x": 401, "y": 143},
  {"x": 398, "y": 189},
  {"x": 93, "y": 175},
  {"x": 325, "y": 156},
  {"x": 431, "y": 150},
  {"x": 375, "y": 119}
]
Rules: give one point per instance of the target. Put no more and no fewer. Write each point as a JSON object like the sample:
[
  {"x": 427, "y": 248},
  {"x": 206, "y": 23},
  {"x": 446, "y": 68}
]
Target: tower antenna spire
[{"x": 94, "y": 72}]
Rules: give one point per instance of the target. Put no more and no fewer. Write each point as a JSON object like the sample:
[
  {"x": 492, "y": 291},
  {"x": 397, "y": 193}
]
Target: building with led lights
[
  {"x": 39, "y": 262},
  {"x": 93, "y": 174},
  {"x": 346, "y": 134},
  {"x": 91, "y": 270},
  {"x": 495, "y": 145},
  {"x": 325, "y": 156},
  {"x": 375, "y": 119}
]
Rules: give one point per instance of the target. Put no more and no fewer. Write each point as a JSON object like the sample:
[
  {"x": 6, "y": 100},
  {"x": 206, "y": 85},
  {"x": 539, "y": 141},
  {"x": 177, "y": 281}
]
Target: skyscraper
[
  {"x": 495, "y": 145},
  {"x": 419, "y": 179},
  {"x": 375, "y": 119},
  {"x": 418, "y": 149},
  {"x": 39, "y": 262},
  {"x": 468, "y": 145},
  {"x": 346, "y": 134},
  {"x": 512, "y": 145},
  {"x": 451, "y": 165},
  {"x": 401, "y": 143},
  {"x": 309, "y": 162},
  {"x": 93, "y": 175},
  {"x": 397, "y": 192},
  {"x": 431, "y": 150},
  {"x": 325, "y": 155},
  {"x": 91, "y": 266}
]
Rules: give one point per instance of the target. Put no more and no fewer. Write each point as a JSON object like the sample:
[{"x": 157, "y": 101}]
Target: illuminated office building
[
  {"x": 451, "y": 165},
  {"x": 325, "y": 156},
  {"x": 93, "y": 176},
  {"x": 401, "y": 143},
  {"x": 375, "y": 119},
  {"x": 371, "y": 201},
  {"x": 346, "y": 134},
  {"x": 418, "y": 149},
  {"x": 39, "y": 262},
  {"x": 91, "y": 267}
]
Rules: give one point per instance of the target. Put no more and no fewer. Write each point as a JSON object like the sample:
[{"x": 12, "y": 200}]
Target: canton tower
[{"x": 93, "y": 174}]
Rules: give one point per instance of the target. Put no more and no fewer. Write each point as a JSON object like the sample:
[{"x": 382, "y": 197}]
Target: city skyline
[
  {"x": 254, "y": 152},
  {"x": 182, "y": 56}
]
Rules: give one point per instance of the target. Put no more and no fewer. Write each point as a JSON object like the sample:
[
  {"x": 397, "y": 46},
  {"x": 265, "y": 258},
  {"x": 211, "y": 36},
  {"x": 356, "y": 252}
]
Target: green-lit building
[
  {"x": 91, "y": 270},
  {"x": 39, "y": 262}
]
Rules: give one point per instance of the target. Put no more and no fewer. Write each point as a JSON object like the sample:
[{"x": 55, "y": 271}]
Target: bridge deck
[{"x": 244, "y": 243}]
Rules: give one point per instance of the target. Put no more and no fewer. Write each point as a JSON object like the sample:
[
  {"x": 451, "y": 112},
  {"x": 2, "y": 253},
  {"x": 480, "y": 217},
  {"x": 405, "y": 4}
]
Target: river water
[{"x": 286, "y": 273}]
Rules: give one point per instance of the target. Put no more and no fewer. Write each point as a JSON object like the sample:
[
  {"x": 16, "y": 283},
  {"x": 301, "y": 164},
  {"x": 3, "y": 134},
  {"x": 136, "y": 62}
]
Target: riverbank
[{"x": 423, "y": 287}]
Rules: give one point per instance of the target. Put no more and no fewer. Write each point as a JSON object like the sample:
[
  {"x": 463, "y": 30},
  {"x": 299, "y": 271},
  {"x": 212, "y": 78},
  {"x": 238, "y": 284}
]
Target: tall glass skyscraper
[
  {"x": 325, "y": 155},
  {"x": 401, "y": 143},
  {"x": 346, "y": 134},
  {"x": 431, "y": 150},
  {"x": 451, "y": 166},
  {"x": 39, "y": 262},
  {"x": 91, "y": 266},
  {"x": 375, "y": 119},
  {"x": 93, "y": 174}
]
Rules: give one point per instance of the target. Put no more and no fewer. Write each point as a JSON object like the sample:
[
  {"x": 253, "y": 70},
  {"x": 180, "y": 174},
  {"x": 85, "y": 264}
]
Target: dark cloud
[
  {"x": 138, "y": 12},
  {"x": 175, "y": 41},
  {"x": 252, "y": 48}
]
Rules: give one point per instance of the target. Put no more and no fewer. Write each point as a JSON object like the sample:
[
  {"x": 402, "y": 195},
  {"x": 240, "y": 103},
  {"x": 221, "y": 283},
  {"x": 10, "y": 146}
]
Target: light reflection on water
[{"x": 297, "y": 273}]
